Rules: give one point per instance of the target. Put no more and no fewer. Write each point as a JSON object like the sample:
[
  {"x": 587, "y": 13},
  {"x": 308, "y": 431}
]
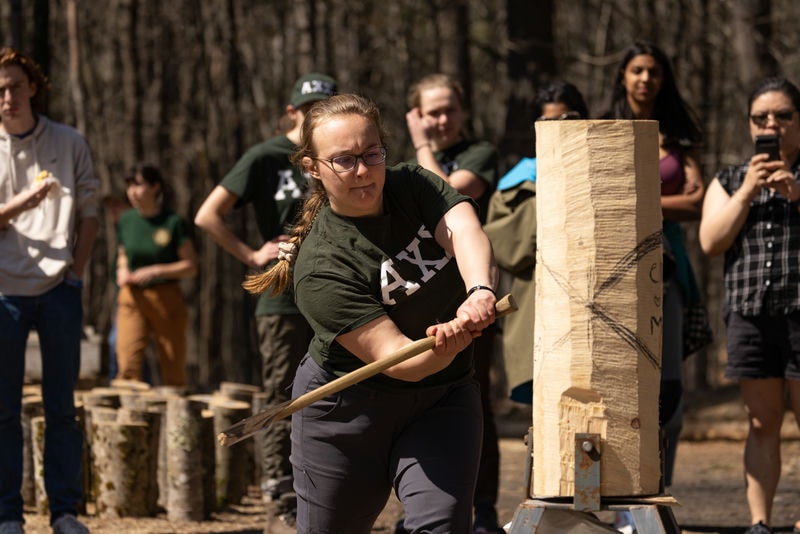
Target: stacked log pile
[{"x": 149, "y": 450}]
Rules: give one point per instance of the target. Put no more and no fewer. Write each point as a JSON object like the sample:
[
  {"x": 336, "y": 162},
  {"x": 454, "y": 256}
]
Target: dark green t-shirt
[
  {"x": 351, "y": 271},
  {"x": 479, "y": 157},
  {"x": 265, "y": 178},
  {"x": 151, "y": 240}
]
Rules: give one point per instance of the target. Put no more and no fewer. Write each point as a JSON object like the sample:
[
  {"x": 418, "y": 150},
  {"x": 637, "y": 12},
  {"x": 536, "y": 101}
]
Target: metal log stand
[{"x": 650, "y": 514}]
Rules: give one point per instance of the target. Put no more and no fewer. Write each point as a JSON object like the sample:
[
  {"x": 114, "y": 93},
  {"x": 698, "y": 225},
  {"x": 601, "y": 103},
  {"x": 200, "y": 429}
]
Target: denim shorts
[{"x": 763, "y": 346}]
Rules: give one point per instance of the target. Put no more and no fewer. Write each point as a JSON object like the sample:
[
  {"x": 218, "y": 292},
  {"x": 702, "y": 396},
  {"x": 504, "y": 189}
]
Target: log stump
[
  {"x": 121, "y": 462},
  {"x": 153, "y": 421},
  {"x": 92, "y": 414},
  {"x": 597, "y": 350},
  {"x": 184, "y": 449},
  {"x": 252, "y": 447},
  {"x": 232, "y": 477}
]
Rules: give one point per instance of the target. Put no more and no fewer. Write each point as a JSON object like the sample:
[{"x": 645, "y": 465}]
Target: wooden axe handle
[
  {"x": 503, "y": 306},
  {"x": 250, "y": 425}
]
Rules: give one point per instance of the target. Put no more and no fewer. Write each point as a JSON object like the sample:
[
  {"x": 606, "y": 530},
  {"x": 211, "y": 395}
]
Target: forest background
[{"x": 191, "y": 84}]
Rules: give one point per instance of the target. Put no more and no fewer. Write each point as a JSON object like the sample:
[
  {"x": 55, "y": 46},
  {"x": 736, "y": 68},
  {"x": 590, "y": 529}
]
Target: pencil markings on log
[
  {"x": 630, "y": 260},
  {"x": 626, "y": 263}
]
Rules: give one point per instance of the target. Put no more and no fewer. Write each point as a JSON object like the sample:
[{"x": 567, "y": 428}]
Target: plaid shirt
[{"x": 762, "y": 266}]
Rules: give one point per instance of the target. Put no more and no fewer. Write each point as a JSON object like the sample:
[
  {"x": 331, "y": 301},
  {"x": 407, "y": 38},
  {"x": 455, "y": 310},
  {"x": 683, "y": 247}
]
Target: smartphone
[{"x": 768, "y": 144}]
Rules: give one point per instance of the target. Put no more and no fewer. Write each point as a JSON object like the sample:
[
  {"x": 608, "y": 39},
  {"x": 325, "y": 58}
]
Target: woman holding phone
[{"x": 751, "y": 214}]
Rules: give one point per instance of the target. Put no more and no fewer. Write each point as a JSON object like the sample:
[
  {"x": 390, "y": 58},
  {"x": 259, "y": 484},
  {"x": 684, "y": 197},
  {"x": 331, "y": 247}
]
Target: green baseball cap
[{"x": 312, "y": 87}]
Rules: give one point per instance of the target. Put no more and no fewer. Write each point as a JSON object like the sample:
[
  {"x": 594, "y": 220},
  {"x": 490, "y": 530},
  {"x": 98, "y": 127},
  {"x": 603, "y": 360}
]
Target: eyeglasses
[
  {"x": 569, "y": 115},
  {"x": 348, "y": 162},
  {"x": 760, "y": 119}
]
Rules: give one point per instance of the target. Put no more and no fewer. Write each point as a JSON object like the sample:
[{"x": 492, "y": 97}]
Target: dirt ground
[{"x": 708, "y": 481}]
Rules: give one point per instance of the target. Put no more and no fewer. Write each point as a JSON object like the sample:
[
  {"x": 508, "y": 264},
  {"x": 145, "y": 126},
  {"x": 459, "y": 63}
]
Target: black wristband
[{"x": 473, "y": 289}]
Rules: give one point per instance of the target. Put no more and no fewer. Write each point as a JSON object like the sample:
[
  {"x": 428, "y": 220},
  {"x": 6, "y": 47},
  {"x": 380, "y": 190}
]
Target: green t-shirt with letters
[
  {"x": 350, "y": 271},
  {"x": 265, "y": 178}
]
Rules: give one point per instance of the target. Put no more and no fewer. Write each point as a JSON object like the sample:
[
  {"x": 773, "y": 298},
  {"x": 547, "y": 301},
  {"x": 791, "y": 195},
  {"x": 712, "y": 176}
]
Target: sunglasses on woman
[{"x": 782, "y": 117}]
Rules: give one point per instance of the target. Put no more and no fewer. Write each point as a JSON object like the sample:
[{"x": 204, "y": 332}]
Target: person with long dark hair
[
  {"x": 645, "y": 89},
  {"x": 752, "y": 215}
]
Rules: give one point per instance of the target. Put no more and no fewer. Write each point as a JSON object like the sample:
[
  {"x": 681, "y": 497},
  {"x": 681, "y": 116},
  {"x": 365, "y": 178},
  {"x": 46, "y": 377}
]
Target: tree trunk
[
  {"x": 184, "y": 456},
  {"x": 153, "y": 421},
  {"x": 122, "y": 468}
]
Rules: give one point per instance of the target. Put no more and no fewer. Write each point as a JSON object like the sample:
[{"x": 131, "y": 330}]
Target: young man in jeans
[{"x": 48, "y": 224}]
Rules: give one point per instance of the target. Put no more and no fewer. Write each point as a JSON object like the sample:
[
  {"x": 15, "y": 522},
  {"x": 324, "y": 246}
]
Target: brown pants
[{"x": 158, "y": 311}]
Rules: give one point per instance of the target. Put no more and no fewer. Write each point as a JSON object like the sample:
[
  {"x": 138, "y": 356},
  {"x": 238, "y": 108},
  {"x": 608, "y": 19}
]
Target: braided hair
[{"x": 279, "y": 276}]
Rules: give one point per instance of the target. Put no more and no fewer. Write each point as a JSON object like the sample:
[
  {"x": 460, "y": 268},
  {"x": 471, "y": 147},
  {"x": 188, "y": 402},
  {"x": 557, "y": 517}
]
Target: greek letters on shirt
[
  {"x": 287, "y": 187},
  {"x": 419, "y": 269}
]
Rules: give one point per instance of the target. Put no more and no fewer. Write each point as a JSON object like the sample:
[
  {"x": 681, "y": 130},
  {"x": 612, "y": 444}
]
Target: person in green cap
[{"x": 265, "y": 178}]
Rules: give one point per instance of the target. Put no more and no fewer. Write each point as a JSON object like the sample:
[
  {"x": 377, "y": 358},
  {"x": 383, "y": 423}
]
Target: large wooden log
[
  {"x": 597, "y": 350},
  {"x": 121, "y": 467},
  {"x": 184, "y": 460}
]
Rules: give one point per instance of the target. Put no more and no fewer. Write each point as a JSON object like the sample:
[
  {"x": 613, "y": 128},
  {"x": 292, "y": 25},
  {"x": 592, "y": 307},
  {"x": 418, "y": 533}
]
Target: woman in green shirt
[
  {"x": 155, "y": 250},
  {"x": 383, "y": 256}
]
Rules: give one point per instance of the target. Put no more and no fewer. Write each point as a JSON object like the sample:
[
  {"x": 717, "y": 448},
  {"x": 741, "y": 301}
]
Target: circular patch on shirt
[{"x": 161, "y": 237}]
